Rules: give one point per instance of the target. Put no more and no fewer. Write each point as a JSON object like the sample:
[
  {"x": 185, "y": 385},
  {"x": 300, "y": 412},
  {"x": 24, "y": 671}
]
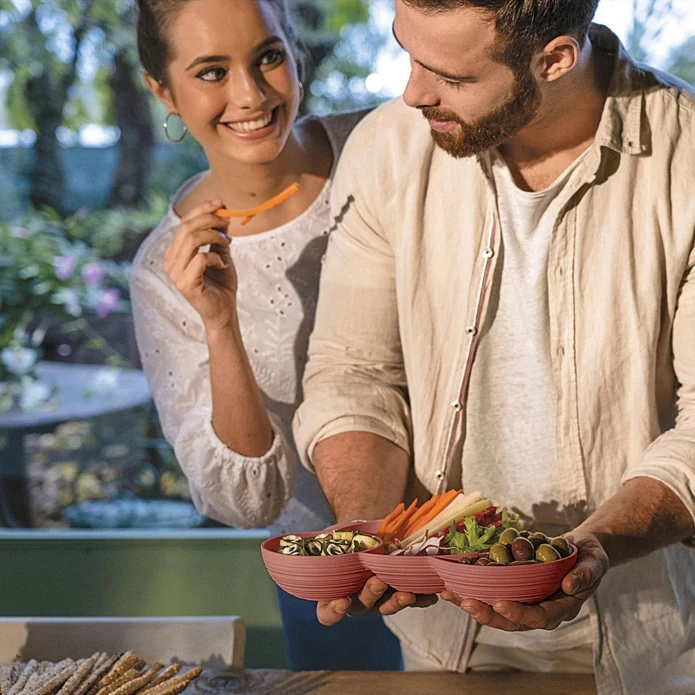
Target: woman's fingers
[
  {"x": 191, "y": 281},
  {"x": 202, "y": 217},
  {"x": 177, "y": 259}
]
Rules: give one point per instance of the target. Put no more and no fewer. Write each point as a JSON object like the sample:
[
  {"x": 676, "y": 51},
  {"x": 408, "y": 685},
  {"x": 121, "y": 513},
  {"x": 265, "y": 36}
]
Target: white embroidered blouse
[{"x": 278, "y": 275}]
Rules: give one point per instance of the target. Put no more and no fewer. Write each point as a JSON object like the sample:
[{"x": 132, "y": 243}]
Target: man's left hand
[{"x": 577, "y": 587}]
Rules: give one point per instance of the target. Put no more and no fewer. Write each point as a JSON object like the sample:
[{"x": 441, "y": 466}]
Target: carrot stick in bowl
[
  {"x": 442, "y": 503},
  {"x": 249, "y": 214},
  {"x": 389, "y": 518},
  {"x": 393, "y": 527}
]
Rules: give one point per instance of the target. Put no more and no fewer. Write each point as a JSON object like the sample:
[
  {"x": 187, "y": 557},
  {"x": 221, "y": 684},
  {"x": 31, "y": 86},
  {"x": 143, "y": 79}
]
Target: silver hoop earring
[
  {"x": 301, "y": 92},
  {"x": 166, "y": 129}
]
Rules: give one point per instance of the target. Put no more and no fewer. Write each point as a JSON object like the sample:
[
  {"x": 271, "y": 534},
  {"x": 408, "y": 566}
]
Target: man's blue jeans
[{"x": 355, "y": 644}]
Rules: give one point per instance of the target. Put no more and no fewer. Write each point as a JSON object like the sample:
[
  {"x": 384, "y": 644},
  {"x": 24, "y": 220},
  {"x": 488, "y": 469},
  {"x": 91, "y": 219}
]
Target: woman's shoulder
[
  {"x": 150, "y": 256},
  {"x": 338, "y": 126}
]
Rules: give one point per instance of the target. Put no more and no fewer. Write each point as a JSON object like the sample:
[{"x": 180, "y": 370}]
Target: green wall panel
[{"x": 140, "y": 574}]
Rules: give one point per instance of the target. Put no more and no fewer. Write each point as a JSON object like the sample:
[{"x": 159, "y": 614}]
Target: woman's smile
[{"x": 255, "y": 128}]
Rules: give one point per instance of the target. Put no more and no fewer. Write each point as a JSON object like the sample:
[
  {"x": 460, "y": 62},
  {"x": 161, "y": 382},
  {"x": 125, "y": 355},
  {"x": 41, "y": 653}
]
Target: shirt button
[
  {"x": 440, "y": 475},
  {"x": 472, "y": 330},
  {"x": 488, "y": 253},
  {"x": 457, "y": 406}
]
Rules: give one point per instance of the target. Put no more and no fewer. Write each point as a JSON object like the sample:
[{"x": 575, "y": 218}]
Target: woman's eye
[
  {"x": 274, "y": 57},
  {"x": 212, "y": 74}
]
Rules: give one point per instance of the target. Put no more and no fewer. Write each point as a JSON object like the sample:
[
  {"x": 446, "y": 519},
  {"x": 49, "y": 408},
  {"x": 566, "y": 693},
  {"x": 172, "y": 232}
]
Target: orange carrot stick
[
  {"x": 402, "y": 521},
  {"x": 389, "y": 518},
  {"x": 419, "y": 513},
  {"x": 249, "y": 214},
  {"x": 439, "y": 507}
]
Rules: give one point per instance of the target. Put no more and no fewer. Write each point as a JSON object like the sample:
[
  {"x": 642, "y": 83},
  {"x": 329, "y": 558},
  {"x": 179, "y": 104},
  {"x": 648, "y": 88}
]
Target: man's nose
[{"x": 419, "y": 91}]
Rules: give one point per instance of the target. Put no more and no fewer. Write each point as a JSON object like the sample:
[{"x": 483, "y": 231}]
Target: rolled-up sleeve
[
  {"x": 233, "y": 489},
  {"x": 671, "y": 458},
  {"x": 355, "y": 379}
]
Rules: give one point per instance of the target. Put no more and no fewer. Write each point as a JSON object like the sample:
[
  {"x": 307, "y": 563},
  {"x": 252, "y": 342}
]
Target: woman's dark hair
[
  {"x": 155, "y": 18},
  {"x": 524, "y": 26}
]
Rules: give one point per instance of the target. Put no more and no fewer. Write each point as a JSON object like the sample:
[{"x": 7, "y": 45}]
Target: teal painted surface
[{"x": 144, "y": 574}]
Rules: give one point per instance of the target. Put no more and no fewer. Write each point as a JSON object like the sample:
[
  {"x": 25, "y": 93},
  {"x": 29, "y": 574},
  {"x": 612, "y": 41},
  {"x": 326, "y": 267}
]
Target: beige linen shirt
[{"x": 403, "y": 298}]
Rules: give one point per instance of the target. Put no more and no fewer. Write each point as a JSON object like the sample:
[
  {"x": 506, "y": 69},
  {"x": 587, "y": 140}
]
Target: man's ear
[
  {"x": 161, "y": 92},
  {"x": 558, "y": 58}
]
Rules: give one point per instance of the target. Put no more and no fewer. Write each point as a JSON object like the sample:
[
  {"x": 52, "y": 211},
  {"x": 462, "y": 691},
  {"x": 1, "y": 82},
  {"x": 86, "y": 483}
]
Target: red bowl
[
  {"x": 316, "y": 578},
  {"x": 338, "y": 576},
  {"x": 415, "y": 574},
  {"x": 520, "y": 583}
]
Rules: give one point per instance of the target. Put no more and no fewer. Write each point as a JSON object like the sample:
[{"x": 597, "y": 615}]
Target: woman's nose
[{"x": 247, "y": 93}]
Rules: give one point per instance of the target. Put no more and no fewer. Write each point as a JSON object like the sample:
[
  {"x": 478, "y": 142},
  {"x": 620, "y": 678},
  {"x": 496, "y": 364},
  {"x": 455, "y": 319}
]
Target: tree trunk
[
  {"x": 47, "y": 174},
  {"x": 137, "y": 134}
]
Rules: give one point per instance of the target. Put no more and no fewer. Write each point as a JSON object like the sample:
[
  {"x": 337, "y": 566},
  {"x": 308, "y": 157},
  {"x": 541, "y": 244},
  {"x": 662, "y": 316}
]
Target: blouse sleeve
[{"x": 233, "y": 489}]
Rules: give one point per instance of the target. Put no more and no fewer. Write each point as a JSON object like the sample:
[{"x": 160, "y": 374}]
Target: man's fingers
[
  {"x": 330, "y": 613},
  {"x": 485, "y": 615},
  {"x": 588, "y": 571},
  {"x": 451, "y": 597},
  {"x": 373, "y": 590},
  {"x": 397, "y": 602},
  {"x": 544, "y": 616}
]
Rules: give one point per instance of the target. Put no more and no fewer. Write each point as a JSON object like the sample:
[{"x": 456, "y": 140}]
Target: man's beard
[{"x": 491, "y": 130}]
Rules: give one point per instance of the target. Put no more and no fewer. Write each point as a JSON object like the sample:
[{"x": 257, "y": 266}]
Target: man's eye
[
  {"x": 274, "y": 57},
  {"x": 212, "y": 74},
  {"x": 456, "y": 84}
]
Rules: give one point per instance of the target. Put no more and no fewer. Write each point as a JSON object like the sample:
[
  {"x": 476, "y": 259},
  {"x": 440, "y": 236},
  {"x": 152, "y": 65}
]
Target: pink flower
[
  {"x": 64, "y": 265},
  {"x": 93, "y": 273},
  {"x": 20, "y": 233},
  {"x": 107, "y": 302},
  {"x": 82, "y": 213}
]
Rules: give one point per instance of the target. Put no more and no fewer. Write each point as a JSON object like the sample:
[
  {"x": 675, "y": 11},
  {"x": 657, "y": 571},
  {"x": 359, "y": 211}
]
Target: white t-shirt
[{"x": 510, "y": 447}]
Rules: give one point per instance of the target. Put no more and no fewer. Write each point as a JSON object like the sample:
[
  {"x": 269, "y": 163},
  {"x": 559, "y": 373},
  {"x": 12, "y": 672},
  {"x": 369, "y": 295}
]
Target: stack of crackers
[{"x": 100, "y": 674}]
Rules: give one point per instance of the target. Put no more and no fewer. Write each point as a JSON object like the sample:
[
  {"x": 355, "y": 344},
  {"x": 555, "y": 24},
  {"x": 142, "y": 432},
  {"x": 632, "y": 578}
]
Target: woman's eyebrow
[{"x": 220, "y": 58}]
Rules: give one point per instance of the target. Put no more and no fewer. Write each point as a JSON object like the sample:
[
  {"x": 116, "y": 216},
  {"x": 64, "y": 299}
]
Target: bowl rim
[
  {"x": 492, "y": 568},
  {"x": 310, "y": 534}
]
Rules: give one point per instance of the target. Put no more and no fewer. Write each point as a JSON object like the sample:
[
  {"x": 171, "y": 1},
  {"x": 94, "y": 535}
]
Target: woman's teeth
[{"x": 251, "y": 126}]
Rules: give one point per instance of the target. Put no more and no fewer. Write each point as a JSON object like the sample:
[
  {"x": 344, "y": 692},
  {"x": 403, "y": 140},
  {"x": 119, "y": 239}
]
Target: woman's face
[{"x": 232, "y": 78}]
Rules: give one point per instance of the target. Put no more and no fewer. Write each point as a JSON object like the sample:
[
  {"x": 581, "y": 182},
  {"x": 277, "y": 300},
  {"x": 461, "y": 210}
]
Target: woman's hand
[
  {"x": 577, "y": 587},
  {"x": 207, "y": 280}
]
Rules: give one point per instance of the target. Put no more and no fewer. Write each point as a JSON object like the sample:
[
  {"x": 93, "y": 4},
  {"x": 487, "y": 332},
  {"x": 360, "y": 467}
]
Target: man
[{"x": 508, "y": 304}]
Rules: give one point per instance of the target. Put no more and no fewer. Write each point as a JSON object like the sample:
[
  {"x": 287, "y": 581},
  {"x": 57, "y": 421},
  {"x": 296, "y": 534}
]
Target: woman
[{"x": 223, "y": 309}]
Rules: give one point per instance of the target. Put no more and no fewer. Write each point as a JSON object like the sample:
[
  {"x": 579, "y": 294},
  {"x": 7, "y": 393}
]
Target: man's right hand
[{"x": 374, "y": 597}]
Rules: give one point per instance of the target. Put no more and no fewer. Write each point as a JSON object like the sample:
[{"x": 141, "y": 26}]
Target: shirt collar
[{"x": 623, "y": 126}]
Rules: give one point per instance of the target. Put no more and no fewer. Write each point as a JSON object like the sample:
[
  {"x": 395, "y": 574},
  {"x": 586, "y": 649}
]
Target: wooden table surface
[{"x": 388, "y": 683}]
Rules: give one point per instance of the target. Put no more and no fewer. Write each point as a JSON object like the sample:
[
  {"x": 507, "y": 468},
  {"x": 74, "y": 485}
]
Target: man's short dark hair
[{"x": 524, "y": 26}]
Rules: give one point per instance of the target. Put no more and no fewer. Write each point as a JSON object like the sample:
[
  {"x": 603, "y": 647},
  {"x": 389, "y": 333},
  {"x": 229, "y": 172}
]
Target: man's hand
[
  {"x": 577, "y": 587},
  {"x": 375, "y": 597}
]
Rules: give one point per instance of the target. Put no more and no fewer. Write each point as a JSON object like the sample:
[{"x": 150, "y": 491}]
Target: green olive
[
  {"x": 522, "y": 549},
  {"x": 500, "y": 553},
  {"x": 538, "y": 539},
  {"x": 562, "y": 545},
  {"x": 546, "y": 553},
  {"x": 524, "y": 533},
  {"x": 508, "y": 535}
]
